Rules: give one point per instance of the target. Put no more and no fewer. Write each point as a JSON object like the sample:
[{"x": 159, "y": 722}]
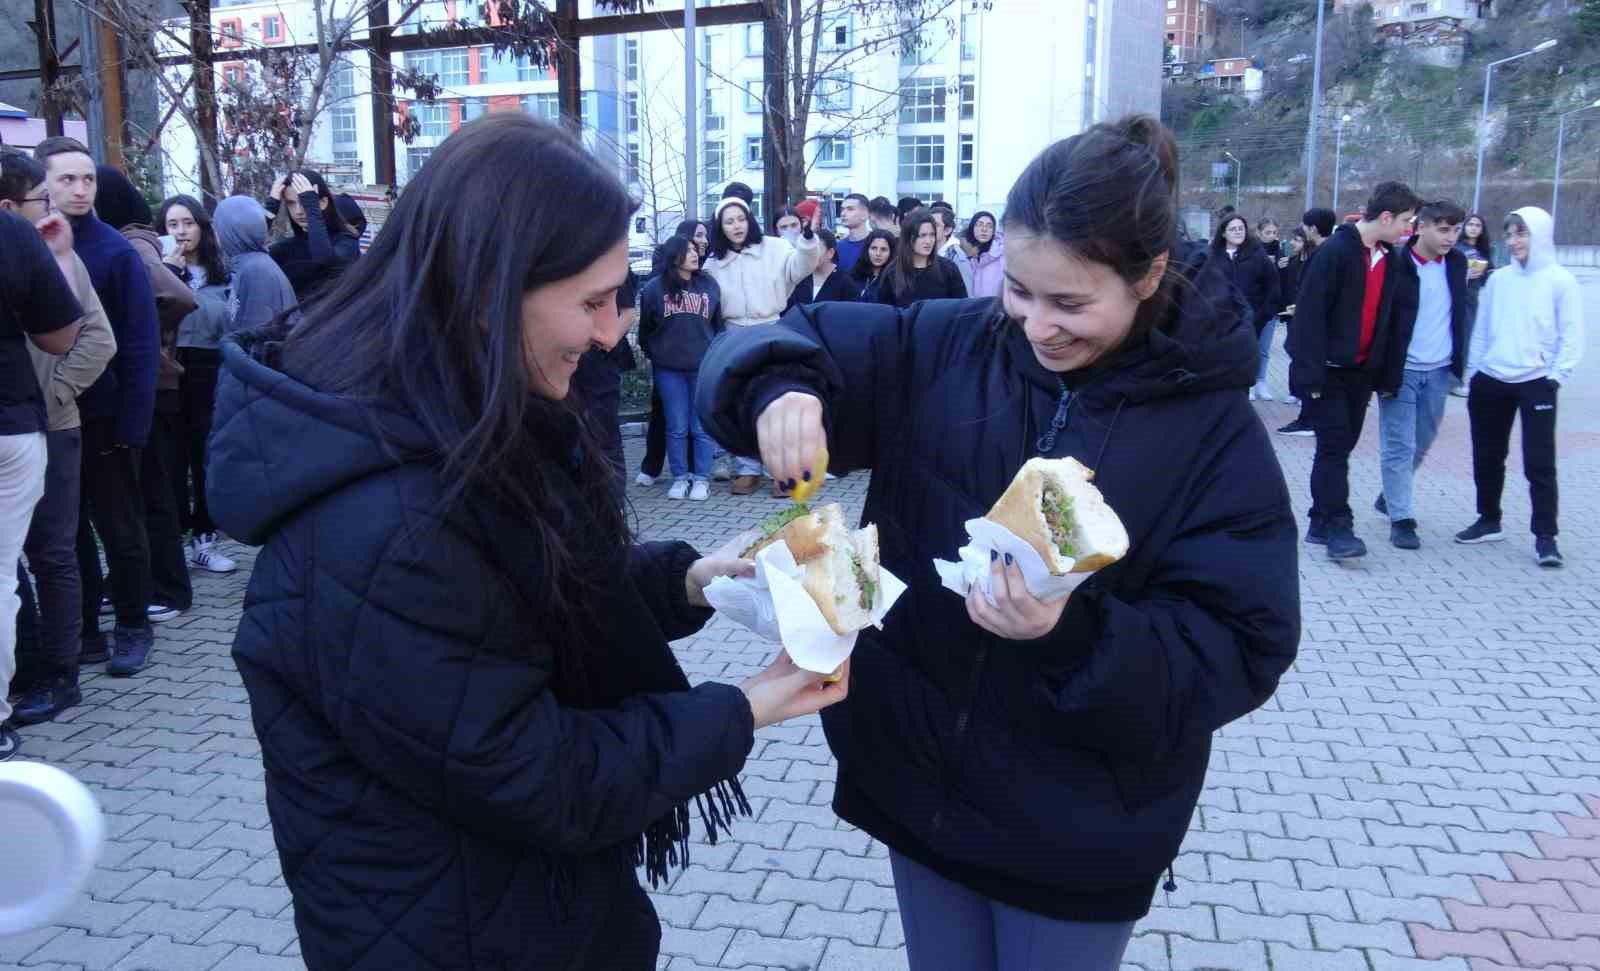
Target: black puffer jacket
[
  {"x": 1059, "y": 775},
  {"x": 433, "y": 805},
  {"x": 1254, "y": 274}
]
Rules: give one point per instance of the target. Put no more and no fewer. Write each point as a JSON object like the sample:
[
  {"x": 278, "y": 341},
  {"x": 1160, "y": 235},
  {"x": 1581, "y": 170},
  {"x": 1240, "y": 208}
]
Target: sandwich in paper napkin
[
  {"x": 775, "y": 605},
  {"x": 984, "y": 536}
]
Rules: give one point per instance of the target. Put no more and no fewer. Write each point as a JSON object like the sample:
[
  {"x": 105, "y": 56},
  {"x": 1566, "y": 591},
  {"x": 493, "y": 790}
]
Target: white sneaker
[
  {"x": 679, "y": 490},
  {"x": 203, "y": 555},
  {"x": 644, "y": 479},
  {"x": 700, "y": 491},
  {"x": 161, "y": 613},
  {"x": 1290, "y": 399}
]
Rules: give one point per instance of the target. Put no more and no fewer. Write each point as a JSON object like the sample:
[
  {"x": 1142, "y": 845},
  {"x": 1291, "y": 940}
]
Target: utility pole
[
  {"x": 381, "y": 69},
  {"x": 44, "y": 30},
  {"x": 205, "y": 92},
  {"x": 569, "y": 82},
  {"x": 691, "y": 116},
  {"x": 775, "y": 144},
  {"x": 1316, "y": 107}
]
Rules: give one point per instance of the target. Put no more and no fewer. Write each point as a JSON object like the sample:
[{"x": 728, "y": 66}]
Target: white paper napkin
[
  {"x": 986, "y": 535},
  {"x": 775, "y": 605}
]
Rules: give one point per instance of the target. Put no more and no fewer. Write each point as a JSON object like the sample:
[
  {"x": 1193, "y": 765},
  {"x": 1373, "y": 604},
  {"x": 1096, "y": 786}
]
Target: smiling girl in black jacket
[
  {"x": 1033, "y": 766},
  {"x": 472, "y": 725}
]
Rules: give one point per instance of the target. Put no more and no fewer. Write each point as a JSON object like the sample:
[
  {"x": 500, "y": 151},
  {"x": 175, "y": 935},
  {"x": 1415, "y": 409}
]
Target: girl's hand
[
  {"x": 725, "y": 562},
  {"x": 1016, "y": 614},
  {"x": 784, "y": 691},
  {"x": 300, "y": 185},
  {"x": 790, "y": 435},
  {"x": 816, "y": 219}
]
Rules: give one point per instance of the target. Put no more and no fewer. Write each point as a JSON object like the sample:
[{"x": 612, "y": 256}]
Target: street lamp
[
  {"x": 1316, "y": 107},
  {"x": 1483, "y": 119},
  {"x": 1561, "y": 136},
  {"x": 1338, "y": 151},
  {"x": 1238, "y": 177}
]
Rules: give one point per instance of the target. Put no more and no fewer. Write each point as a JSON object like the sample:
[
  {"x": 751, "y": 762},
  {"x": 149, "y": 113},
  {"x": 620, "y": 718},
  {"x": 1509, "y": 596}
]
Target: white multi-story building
[{"x": 955, "y": 113}]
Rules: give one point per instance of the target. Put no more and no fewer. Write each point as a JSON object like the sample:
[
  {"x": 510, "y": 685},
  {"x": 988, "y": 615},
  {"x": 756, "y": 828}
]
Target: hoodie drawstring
[{"x": 1047, "y": 441}]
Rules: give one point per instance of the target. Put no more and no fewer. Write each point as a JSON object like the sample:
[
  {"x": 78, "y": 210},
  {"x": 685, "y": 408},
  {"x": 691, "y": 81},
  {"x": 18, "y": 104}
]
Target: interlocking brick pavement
[{"x": 1423, "y": 791}]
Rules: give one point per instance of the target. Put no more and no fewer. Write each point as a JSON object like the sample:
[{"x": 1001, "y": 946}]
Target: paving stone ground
[{"x": 1422, "y": 792}]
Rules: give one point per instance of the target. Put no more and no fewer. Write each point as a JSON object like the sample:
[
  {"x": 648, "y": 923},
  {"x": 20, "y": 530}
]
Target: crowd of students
[{"x": 123, "y": 411}]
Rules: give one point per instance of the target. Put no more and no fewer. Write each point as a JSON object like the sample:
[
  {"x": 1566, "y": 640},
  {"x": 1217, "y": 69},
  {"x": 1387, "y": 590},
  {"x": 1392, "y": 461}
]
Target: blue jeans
[
  {"x": 950, "y": 928},
  {"x": 677, "y": 400},
  {"x": 1264, "y": 343},
  {"x": 1408, "y": 424}
]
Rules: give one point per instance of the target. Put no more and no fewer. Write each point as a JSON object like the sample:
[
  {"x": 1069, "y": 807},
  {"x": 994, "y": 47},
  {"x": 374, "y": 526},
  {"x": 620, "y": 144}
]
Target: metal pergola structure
[{"x": 382, "y": 42}]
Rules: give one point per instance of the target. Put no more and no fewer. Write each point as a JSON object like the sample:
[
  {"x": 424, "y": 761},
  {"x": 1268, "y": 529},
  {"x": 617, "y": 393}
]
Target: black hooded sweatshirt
[
  {"x": 1058, "y": 775},
  {"x": 315, "y": 256}
]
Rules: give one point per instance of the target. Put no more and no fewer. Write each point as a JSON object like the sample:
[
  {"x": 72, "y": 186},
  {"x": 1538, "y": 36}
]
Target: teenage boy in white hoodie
[{"x": 1526, "y": 342}]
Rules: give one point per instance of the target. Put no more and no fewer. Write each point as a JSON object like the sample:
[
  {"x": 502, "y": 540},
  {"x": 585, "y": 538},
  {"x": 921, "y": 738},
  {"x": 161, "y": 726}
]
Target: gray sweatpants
[{"x": 951, "y": 928}]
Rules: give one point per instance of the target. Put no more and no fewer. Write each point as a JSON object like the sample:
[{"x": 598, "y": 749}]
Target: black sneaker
[
  {"x": 130, "y": 651},
  {"x": 1298, "y": 428},
  {"x": 47, "y": 700},
  {"x": 1544, "y": 550},
  {"x": 9, "y": 742},
  {"x": 1343, "y": 544},
  {"x": 1482, "y": 531},
  {"x": 1382, "y": 505},
  {"x": 1317, "y": 532},
  {"x": 94, "y": 650},
  {"x": 1403, "y": 535}
]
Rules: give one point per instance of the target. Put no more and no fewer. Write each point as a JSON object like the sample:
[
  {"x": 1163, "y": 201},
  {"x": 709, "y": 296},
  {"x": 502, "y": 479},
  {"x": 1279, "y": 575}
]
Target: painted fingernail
[
  {"x": 1008, "y": 559},
  {"x": 789, "y": 484},
  {"x": 994, "y": 555},
  {"x": 806, "y": 475}
]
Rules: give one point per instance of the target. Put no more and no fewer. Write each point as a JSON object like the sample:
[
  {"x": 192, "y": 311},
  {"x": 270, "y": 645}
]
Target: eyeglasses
[{"x": 44, "y": 199}]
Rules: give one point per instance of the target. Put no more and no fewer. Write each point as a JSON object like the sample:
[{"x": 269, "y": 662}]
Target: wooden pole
[
  {"x": 44, "y": 30},
  {"x": 775, "y": 143},
  {"x": 569, "y": 80},
  {"x": 113, "y": 93},
  {"x": 378, "y": 60},
  {"x": 204, "y": 76}
]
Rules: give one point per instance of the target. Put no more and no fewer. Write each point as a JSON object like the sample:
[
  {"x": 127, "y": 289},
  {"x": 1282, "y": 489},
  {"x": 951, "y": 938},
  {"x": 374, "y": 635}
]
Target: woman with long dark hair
[
  {"x": 979, "y": 252},
  {"x": 918, "y": 273},
  {"x": 320, "y": 243},
  {"x": 1238, "y": 256},
  {"x": 1476, "y": 243},
  {"x": 472, "y": 725},
  {"x": 1033, "y": 766},
  {"x": 680, "y": 313},
  {"x": 198, "y": 258},
  {"x": 877, "y": 255},
  {"x": 655, "y": 435}
]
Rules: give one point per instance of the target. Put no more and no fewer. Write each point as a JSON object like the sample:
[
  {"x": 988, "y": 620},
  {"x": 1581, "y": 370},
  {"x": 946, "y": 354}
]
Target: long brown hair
[{"x": 902, "y": 271}]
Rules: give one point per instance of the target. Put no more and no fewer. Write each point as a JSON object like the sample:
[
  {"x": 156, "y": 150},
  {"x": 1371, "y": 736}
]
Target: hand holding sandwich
[{"x": 1016, "y": 614}]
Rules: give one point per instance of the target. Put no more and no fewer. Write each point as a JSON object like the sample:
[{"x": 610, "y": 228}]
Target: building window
[
  {"x": 343, "y": 122},
  {"x": 1171, "y": 21},
  {"x": 415, "y": 159},
  {"x": 969, "y": 97},
  {"x": 752, "y": 152},
  {"x": 449, "y": 65},
  {"x": 633, "y": 112},
  {"x": 754, "y": 40},
  {"x": 546, "y": 104},
  {"x": 633, "y": 161},
  {"x": 343, "y": 82},
  {"x": 271, "y": 28},
  {"x": 969, "y": 36},
  {"x": 833, "y": 152},
  {"x": 716, "y": 169},
  {"x": 474, "y": 108},
  {"x": 345, "y": 157},
  {"x": 922, "y": 101},
  {"x": 833, "y": 93},
  {"x": 752, "y": 96},
  {"x": 433, "y": 119},
  {"x": 233, "y": 74},
  {"x": 708, "y": 49},
  {"x": 630, "y": 59},
  {"x": 714, "y": 119},
  {"x": 232, "y": 32},
  {"x": 836, "y": 33},
  {"x": 1172, "y": 4},
  {"x": 968, "y": 150},
  {"x": 528, "y": 71},
  {"x": 917, "y": 47},
  {"x": 921, "y": 158}
]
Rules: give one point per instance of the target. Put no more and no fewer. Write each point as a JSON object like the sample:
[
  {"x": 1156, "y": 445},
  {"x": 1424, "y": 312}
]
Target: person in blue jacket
[
  {"x": 1033, "y": 766},
  {"x": 472, "y": 725},
  {"x": 117, "y": 412}
]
